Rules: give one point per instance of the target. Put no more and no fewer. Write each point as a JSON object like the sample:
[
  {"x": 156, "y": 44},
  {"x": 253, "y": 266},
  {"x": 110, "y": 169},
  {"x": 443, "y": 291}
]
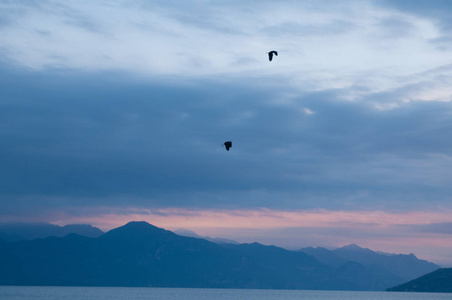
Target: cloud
[
  {"x": 225, "y": 40},
  {"x": 84, "y": 135},
  {"x": 335, "y": 27},
  {"x": 441, "y": 228},
  {"x": 396, "y": 27},
  {"x": 437, "y": 11},
  {"x": 437, "y": 8}
]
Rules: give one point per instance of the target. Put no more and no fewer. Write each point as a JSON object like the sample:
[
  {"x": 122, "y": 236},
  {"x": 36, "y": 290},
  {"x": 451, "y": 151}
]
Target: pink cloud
[{"x": 254, "y": 219}]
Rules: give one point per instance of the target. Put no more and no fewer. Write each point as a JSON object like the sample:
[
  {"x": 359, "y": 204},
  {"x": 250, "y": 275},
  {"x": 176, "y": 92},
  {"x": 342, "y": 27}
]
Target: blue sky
[{"x": 113, "y": 111}]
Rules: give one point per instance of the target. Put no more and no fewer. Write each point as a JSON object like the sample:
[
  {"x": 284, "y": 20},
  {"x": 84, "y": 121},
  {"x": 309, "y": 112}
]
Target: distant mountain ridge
[
  {"x": 189, "y": 233},
  {"x": 404, "y": 266},
  {"x": 29, "y": 231},
  {"x": 140, "y": 254}
]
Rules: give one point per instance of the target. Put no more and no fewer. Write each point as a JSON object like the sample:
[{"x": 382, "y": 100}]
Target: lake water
[{"x": 111, "y": 293}]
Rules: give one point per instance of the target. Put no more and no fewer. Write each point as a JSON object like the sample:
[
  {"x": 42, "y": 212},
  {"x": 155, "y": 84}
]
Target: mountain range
[
  {"x": 140, "y": 254},
  {"x": 407, "y": 267},
  {"x": 29, "y": 231}
]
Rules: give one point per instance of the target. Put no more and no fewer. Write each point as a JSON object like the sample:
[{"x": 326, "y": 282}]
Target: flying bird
[
  {"x": 228, "y": 145},
  {"x": 270, "y": 54}
]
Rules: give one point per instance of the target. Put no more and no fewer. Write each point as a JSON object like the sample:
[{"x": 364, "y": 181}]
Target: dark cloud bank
[{"x": 130, "y": 141}]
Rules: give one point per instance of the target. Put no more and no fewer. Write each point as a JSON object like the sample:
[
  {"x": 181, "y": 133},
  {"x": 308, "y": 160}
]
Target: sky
[{"x": 114, "y": 111}]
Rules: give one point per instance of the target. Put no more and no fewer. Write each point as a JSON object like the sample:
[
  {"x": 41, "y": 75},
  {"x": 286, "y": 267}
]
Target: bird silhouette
[
  {"x": 228, "y": 145},
  {"x": 270, "y": 54}
]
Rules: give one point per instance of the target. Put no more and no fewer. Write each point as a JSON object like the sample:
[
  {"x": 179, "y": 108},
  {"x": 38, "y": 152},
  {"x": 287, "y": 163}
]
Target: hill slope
[{"x": 439, "y": 281}]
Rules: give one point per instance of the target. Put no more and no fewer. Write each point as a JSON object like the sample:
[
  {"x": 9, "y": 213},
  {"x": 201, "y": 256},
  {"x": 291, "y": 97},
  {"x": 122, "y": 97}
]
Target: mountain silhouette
[
  {"x": 140, "y": 254},
  {"x": 405, "y": 267},
  {"x": 29, "y": 231},
  {"x": 216, "y": 240}
]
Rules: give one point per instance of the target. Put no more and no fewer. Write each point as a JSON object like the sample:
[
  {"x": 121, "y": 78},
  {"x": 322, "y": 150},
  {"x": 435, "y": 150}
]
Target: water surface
[{"x": 111, "y": 293}]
